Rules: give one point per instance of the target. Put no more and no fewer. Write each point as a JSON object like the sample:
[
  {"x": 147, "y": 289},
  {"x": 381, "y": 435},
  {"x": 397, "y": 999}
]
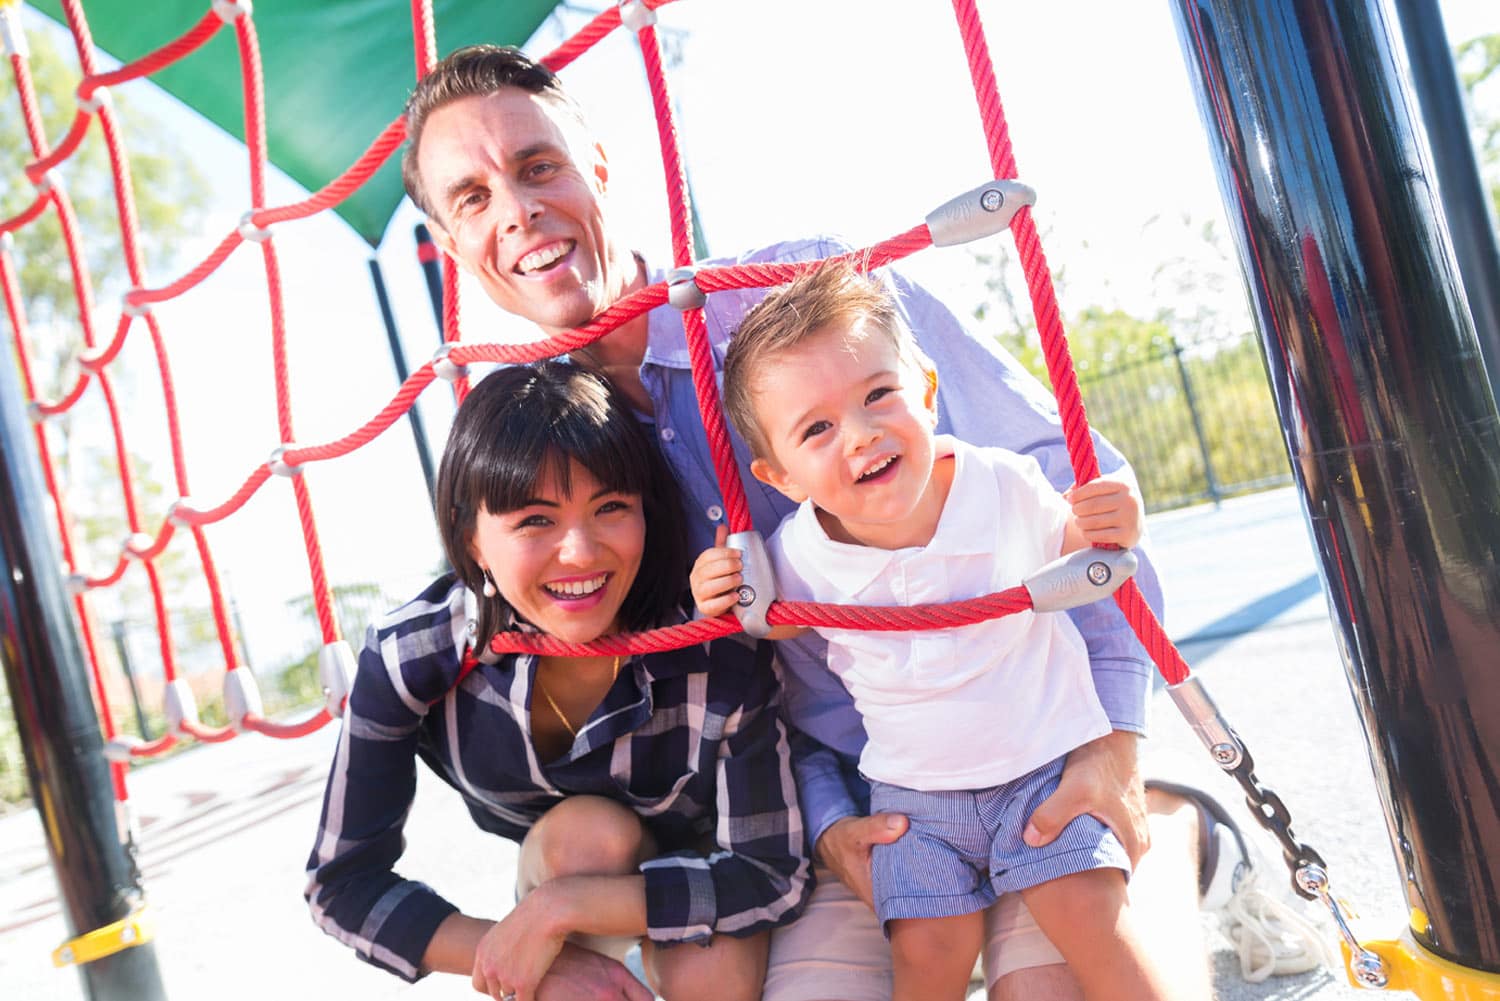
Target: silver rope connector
[
  {"x": 1079, "y": 578},
  {"x": 758, "y": 587},
  {"x": 12, "y": 35},
  {"x": 251, "y": 232},
  {"x": 635, "y": 15},
  {"x": 444, "y": 367},
  {"x": 241, "y": 697},
  {"x": 682, "y": 289},
  {"x": 336, "y": 666},
  {"x": 1203, "y": 717},
  {"x": 230, "y": 11},
  {"x": 985, "y": 211},
  {"x": 277, "y": 462}
]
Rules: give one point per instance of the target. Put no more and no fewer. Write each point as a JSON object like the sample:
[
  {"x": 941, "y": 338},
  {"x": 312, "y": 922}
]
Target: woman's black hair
[{"x": 522, "y": 424}]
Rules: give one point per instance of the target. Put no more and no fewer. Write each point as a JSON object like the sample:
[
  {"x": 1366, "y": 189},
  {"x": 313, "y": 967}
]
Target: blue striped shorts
[{"x": 964, "y": 847}]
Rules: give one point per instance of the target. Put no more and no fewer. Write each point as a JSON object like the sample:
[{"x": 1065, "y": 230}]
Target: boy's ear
[
  {"x": 929, "y": 398},
  {"x": 771, "y": 476}
]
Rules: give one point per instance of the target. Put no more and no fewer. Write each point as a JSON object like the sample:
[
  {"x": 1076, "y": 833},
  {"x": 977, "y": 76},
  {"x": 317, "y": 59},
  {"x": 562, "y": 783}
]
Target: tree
[{"x": 1479, "y": 71}]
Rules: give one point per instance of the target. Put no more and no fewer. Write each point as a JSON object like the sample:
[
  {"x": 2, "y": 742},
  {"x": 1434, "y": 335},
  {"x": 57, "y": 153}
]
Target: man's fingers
[
  {"x": 1048, "y": 819},
  {"x": 882, "y": 828}
]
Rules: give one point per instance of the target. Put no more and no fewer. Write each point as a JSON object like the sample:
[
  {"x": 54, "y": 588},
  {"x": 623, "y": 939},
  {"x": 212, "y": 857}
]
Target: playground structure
[{"x": 1459, "y": 936}]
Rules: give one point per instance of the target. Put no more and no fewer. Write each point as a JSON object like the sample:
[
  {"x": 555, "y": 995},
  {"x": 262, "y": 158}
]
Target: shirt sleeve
[
  {"x": 986, "y": 398},
  {"x": 821, "y": 790},
  {"x": 758, "y": 875},
  {"x": 353, "y": 891}
]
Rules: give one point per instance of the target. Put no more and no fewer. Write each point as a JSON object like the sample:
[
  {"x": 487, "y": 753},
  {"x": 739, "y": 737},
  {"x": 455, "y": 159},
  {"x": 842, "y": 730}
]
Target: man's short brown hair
[
  {"x": 473, "y": 71},
  {"x": 834, "y": 294}
]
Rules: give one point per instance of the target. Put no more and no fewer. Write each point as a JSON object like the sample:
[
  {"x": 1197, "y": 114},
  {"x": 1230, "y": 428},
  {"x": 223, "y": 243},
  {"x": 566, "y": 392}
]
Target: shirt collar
[{"x": 851, "y": 568}]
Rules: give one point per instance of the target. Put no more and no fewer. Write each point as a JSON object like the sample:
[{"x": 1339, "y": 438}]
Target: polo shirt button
[
  {"x": 667, "y": 434},
  {"x": 715, "y": 513}
]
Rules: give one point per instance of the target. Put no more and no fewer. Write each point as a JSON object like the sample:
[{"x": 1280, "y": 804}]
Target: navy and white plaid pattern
[
  {"x": 964, "y": 848},
  {"x": 690, "y": 740}
]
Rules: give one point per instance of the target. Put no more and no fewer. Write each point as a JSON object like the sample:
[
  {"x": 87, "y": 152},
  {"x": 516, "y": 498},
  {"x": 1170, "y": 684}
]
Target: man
[{"x": 502, "y": 162}]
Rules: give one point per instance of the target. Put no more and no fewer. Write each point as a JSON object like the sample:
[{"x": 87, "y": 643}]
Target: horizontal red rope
[{"x": 286, "y": 731}]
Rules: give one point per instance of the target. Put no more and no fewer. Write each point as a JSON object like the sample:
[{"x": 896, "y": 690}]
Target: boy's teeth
[
  {"x": 876, "y": 469},
  {"x": 539, "y": 259}
]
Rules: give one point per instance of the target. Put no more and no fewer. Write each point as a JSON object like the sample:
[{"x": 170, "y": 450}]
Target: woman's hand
[
  {"x": 1107, "y": 511},
  {"x": 716, "y": 576},
  {"x": 515, "y": 955}
]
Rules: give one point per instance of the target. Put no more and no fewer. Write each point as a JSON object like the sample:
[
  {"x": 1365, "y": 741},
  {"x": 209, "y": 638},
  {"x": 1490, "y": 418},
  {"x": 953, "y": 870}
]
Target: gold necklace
[{"x": 548, "y": 696}]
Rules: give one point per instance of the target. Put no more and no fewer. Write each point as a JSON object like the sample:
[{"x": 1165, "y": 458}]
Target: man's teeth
[
  {"x": 577, "y": 588},
  {"x": 538, "y": 259},
  {"x": 876, "y": 470}
]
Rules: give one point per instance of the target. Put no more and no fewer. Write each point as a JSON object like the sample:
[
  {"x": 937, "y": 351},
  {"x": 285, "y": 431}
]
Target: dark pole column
[
  {"x": 1387, "y": 412},
  {"x": 49, "y": 689},
  {"x": 431, "y": 259},
  {"x": 398, "y": 356},
  {"x": 1466, "y": 205}
]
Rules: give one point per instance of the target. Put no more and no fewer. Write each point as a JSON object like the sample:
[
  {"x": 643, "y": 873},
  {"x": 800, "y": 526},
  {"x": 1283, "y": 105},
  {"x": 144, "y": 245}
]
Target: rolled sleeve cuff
[
  {"x": 403, "y": 937},
  {"x": 1124, "y": 688},
  {"x": 681, "y": 900}
]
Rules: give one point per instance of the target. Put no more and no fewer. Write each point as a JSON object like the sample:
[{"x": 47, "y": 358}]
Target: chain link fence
[{"x": 1197, "y": 423}]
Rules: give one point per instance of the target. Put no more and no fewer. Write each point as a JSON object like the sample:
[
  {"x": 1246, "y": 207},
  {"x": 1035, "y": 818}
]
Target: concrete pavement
[{"x": 225, "y": 830}]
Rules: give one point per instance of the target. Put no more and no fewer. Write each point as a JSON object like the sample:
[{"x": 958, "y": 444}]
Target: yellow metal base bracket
[
  {"x": 1427, "y": 975},
  {"x": 135, "y": 928}
]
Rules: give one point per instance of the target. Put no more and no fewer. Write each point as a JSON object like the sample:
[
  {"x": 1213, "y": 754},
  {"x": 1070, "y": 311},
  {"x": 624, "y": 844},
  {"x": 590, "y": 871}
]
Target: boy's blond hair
[{"x": 835, "y": 294}]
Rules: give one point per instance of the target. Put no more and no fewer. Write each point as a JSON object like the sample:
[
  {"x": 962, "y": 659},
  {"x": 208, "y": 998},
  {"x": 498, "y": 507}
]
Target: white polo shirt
[{"x": 968, "y": 707}]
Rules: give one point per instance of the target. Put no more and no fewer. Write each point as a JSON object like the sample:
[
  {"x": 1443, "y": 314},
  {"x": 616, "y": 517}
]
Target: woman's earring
[{"x": 489, "y": 585}]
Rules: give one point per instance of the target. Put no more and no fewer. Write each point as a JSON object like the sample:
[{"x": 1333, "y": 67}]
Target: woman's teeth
[{"x": 576, "y": 588}]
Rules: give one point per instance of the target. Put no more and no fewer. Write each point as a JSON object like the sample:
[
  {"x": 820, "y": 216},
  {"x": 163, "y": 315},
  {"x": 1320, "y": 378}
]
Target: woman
[{"x": 652, "y": 796}]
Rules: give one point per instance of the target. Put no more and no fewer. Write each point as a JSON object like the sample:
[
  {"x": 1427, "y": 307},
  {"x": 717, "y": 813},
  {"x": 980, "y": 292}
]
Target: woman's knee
[
  {"x": 585, "y": 835},
  {"x": 730, "y": 969}
]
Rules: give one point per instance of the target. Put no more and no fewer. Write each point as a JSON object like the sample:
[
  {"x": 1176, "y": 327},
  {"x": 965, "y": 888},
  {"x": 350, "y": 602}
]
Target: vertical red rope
[
  {"x": 1060, "y": 369},
  {"x": 700, "y": 354},
  {"x": 423, "y": 36}
]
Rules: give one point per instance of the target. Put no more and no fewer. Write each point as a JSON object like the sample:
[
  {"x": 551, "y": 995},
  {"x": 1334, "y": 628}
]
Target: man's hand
[
  {"x": 1102, "y": 778},
  {"x": 845, "y": 847},
  {"x": 579, "y": 974}
]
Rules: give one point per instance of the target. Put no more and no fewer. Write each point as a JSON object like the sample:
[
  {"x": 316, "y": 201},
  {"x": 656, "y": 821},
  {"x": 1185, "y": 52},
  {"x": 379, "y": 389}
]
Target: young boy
[{"x": 967, "y": 727}]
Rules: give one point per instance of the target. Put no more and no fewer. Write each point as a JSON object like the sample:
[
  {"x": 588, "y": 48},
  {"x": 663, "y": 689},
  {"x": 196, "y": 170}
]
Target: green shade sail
[{"x": 336, "y": 73}]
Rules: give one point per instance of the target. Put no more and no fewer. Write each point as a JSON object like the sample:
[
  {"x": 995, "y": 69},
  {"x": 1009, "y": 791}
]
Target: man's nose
[{"x": 517, "y": 206}]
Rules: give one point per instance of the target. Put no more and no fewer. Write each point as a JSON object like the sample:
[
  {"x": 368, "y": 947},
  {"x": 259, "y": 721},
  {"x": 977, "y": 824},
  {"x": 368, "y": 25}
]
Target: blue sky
[{"x": 790, "y": 128}]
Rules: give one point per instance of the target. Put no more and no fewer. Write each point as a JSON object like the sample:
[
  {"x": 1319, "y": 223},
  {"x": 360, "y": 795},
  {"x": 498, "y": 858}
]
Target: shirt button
[
  {"x": 667, "y": 434},
  {"x": 714, "y": 512}
]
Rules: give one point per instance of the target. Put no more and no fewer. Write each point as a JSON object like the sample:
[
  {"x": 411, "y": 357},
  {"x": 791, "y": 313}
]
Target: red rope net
[{"x": 95, "y": 360}]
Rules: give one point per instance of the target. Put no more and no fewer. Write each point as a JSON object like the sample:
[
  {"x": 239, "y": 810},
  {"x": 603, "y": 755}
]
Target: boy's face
[
  {"x": 517, "y": 193},
  {"x": 848, "y": 423}
]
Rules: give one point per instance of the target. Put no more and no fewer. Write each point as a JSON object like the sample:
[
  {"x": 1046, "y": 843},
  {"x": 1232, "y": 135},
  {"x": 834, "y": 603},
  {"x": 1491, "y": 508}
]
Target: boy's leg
[
  {"x": 932, "y": 957},
  {"x": 1163, "y": 899},
  {"x": 1086, "y": 916}
]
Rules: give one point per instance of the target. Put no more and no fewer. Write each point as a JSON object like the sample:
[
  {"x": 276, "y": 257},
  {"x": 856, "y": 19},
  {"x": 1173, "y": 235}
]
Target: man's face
[{"x": 517, "y": 195}]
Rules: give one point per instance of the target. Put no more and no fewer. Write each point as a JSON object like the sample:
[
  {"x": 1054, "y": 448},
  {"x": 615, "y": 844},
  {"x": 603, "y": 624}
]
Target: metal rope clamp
[
  {"x": 12, "y": 35},
  {"x": 336, "y": 666},
  {"x": 683, "y": 292},
  {"x": 984, "y": 211},
  {"x": 1079, "y": 578},
  {"x": 446, "y": 368},
  {"x": 636, "y": 16},
  {"x": 241, "y": 697},
  {"x": 757, "y": 589},
  {"x": 179, "y": 706}
]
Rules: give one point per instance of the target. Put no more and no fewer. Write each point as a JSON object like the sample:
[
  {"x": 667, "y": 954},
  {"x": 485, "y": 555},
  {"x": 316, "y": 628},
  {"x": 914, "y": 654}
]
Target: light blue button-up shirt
[{"x": 985, "y": 398}]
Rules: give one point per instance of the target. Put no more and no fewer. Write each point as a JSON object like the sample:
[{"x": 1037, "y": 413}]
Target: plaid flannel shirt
[{"x": 690, "y": 739}]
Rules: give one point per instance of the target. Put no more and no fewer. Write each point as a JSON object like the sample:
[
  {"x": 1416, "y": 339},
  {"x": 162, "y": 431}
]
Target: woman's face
[{"x": 565, "y": 561}]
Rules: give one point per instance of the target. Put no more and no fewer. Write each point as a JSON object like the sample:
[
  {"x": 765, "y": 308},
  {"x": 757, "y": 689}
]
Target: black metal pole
[
  {"x": 1466, "y": 204},
  {"x": 49, "y": 690},
  {"x": 122, "y": 650},
  {"x": 431, "y": 260},
  {"x": 398, "y": 355},
  {"x": 1387, "y": 412}
]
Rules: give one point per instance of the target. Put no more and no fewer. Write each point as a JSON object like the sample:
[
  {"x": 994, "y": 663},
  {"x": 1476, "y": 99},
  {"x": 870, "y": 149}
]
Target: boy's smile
[{"x": 849, "y": 423}]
